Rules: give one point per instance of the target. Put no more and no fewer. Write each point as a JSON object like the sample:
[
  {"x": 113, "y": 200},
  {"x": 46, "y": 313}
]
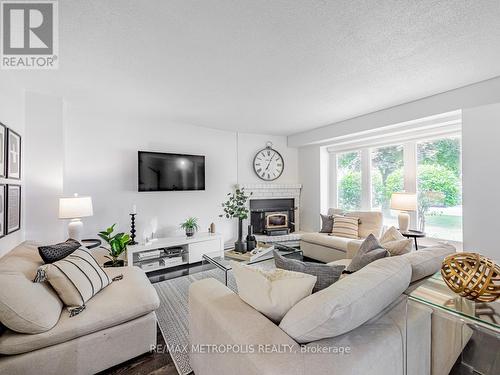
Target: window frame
[{"x": 410, "y": 164}]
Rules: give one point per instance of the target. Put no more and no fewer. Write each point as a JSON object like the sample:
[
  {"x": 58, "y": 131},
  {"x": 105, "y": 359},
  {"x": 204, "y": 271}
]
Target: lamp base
[
  {"x": 404, "y": 221},
  {"x": 75, "y": 229}
]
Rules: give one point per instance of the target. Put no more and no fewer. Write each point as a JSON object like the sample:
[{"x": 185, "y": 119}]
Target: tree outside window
[{"x": 349, "y": 180}]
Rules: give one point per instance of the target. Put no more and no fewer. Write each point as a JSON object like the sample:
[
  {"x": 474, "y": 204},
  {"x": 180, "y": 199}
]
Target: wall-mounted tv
[{"x": 171, "y": 172}]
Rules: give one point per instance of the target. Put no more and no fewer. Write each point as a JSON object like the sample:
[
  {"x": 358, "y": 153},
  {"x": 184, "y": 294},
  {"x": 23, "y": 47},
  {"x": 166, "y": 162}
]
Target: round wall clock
[{"x": 268, "y": 163}]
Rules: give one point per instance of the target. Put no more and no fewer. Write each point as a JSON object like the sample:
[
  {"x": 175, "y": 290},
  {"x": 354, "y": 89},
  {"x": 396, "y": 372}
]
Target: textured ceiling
[{"x": 266, "y": 66}]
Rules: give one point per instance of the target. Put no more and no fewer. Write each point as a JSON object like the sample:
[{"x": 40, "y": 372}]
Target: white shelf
[{"x": 193, "y": 249}]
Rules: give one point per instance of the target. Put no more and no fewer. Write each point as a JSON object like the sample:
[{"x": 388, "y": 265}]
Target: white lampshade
[
  {"x": 75, "y": 207},
  {"x": 404, "y": 201}
]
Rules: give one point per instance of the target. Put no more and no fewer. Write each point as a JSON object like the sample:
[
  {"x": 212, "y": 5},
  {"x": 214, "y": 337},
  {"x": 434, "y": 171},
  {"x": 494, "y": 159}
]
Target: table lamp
[
  {"x": 404, "y": 202},
  {"x": 75, "y": 208}
]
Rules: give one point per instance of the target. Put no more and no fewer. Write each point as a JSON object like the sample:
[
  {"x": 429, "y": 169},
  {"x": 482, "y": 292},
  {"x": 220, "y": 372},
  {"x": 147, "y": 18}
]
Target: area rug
[{"x": 173, "y": 312}]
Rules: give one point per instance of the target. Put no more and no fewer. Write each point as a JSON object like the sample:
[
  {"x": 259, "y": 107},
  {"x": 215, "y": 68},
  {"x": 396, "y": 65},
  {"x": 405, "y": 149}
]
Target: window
[
  {"x": 439, "y": 188},
  {"x": 431, "y": 166},
  {"x": 349, "y": 180},
  {"x": 386, "y": 178}
]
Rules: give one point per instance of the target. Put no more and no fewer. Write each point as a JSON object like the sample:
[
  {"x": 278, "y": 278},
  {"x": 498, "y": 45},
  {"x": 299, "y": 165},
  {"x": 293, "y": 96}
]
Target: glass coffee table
[{"x": 222, "y": 262}]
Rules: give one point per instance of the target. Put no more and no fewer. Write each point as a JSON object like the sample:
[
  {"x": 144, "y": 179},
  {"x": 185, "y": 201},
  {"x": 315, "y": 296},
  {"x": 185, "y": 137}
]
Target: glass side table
[{"x": 476, "y": 325}]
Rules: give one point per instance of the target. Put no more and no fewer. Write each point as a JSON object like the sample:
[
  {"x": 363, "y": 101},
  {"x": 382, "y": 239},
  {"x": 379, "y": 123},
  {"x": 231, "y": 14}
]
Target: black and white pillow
[
  {"x": 53, "y": 253},
  {"x": 76, "y": 279},
  {"x": 326, "y": 275}
]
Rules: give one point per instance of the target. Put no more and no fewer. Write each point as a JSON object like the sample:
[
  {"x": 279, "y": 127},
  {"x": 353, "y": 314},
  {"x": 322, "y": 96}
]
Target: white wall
[
  {"x": 481, "y": 179},
  {"x": 43, "y": 160},
  {"x": 12, "y": 115},
  {"x": 95, "y": 154},
  {"x": 309, "y": 177}
]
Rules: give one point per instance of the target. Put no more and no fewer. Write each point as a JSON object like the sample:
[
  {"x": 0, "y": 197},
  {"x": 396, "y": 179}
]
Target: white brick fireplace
[{"x": 276, "y": 191}]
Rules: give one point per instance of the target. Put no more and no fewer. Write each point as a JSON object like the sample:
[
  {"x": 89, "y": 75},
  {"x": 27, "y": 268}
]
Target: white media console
[{"x": 173, "y": 251}]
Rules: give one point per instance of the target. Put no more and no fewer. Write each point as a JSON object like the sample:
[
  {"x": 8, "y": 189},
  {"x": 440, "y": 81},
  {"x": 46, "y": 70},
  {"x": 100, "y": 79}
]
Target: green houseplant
[
  {"x": 117, "y": 246},
  {"x": 190, "y": 226},
  {"x": 236, "y": 207}
]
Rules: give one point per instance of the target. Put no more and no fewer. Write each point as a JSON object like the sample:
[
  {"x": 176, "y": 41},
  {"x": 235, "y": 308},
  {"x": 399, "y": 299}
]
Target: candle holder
[{"x": 132, "y": 229}]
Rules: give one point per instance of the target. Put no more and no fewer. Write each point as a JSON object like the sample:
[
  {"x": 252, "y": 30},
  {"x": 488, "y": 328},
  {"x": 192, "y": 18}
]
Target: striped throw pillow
[
  {"x": 76, "y": 279},
  {"x": 345, "y": 227}
]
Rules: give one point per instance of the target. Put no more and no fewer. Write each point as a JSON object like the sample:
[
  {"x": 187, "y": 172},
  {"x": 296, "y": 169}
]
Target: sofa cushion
[
  {"x": 120, "y": 302},
  {"x": 427, "y": 261},
  {"x": 395, "y": 242},
  {"x": 53, "y": 253},
  {"x": 344, "y": 226},
  {"x": 349, "y": 302},
  {"x": 76, "y": 278},
  {"x": 26, "y": 307},
  {"x": 272, "y": 292},
  {"x": 369, "y": 251},
  {"x": 326, "y": 274},
  {"x": 323, "y": 239},
  {"x": 369, "y": 222}
]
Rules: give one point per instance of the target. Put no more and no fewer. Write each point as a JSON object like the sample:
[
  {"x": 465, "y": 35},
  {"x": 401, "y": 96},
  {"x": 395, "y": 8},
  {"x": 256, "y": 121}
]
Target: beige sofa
[
  {"x": 326, "y": 248},
  {"x": 118, "y": 323},
  {"x": 383, "y": 343}
]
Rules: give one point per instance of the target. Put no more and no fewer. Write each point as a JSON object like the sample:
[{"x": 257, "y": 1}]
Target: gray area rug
[{"x": 173, "y": 312}]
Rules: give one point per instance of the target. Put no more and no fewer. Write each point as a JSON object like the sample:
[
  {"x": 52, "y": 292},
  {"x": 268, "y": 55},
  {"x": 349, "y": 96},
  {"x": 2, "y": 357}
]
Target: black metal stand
[{"x": 132, "y": 229}]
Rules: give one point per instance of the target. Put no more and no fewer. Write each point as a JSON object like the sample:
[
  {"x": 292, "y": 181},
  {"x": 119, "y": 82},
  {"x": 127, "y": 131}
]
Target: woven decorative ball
[{"x": 472, "y": 276}]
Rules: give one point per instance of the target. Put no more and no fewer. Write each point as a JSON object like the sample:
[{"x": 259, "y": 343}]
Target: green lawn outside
[{"x": 444, "y": 226}]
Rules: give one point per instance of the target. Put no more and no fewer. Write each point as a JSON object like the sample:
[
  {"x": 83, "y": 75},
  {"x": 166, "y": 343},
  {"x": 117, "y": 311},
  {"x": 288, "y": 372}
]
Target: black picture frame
[
  {"x": 3, "y": 210},
  {"x": 10, "y": 175},
  {"x": 3, "y": 151},
  {"x": 8, "y": 208}
]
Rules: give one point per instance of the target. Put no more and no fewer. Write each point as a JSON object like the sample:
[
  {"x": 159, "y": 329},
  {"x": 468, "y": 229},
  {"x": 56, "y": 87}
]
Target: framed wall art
[
  {"x": 3, "y": 150},
  {"x": 13, "y": 206},
  {"x": 2, "y": 209},
  {"x": 13, "y": 155}
]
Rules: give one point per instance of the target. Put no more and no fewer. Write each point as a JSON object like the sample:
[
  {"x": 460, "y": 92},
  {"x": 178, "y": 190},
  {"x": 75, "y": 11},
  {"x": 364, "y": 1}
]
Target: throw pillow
[
  {"x": 369, "y": 251},
  {"x": 394, "y": 242},
  {"x": 76, "y": 279},
  {"x": 326, "y": 274},
  {"x": 26, "y": 307},
  {"x": 326, "y": 223},
  {"x": 53, "y": 253},
  {"x": 272, "y": 292},
  {"x": 345, "y": 227}
]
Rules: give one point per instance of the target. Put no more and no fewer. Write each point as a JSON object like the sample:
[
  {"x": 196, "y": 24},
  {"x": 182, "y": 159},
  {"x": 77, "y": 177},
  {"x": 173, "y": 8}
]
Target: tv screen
[{"x": 170, "y": 172}]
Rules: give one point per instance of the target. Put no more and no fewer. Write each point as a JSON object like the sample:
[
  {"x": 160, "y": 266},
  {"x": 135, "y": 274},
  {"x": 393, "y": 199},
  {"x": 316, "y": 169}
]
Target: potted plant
[
  {"x": 117, "y": 246},
  {"x": 190, "y": 226},
  {"x": 236, "y": 207}
]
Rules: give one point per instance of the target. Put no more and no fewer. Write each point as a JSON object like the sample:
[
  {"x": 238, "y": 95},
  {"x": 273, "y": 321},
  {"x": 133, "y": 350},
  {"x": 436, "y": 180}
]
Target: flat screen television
[{"x": 171, "y": 172}]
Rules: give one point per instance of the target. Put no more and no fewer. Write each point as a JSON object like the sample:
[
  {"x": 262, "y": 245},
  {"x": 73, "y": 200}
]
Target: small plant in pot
[
  {"x": 117, "y": 246},
  {"x": 190, "y": 226}
]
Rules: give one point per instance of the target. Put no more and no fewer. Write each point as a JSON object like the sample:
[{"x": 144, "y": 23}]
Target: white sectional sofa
[
  {"x": 367, "y": 313},
  {"x": 327, "y": 248},
  {"x": 118, "y": 323}
]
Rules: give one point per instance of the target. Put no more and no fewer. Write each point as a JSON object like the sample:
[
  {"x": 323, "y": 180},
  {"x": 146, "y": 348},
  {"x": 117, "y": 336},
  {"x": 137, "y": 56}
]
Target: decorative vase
[
  {"x": 251, "y": 243},
  {"x": 240, "y": 245},
  {"x": 190, "y": 232}
]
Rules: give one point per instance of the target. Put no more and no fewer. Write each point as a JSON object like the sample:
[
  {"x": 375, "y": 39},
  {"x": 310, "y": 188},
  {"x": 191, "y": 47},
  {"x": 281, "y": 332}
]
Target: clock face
[{"x": 268, "y": 164}]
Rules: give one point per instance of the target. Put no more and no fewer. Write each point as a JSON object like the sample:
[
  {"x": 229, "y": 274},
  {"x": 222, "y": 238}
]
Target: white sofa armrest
[{"x": 217, "y": 316}]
